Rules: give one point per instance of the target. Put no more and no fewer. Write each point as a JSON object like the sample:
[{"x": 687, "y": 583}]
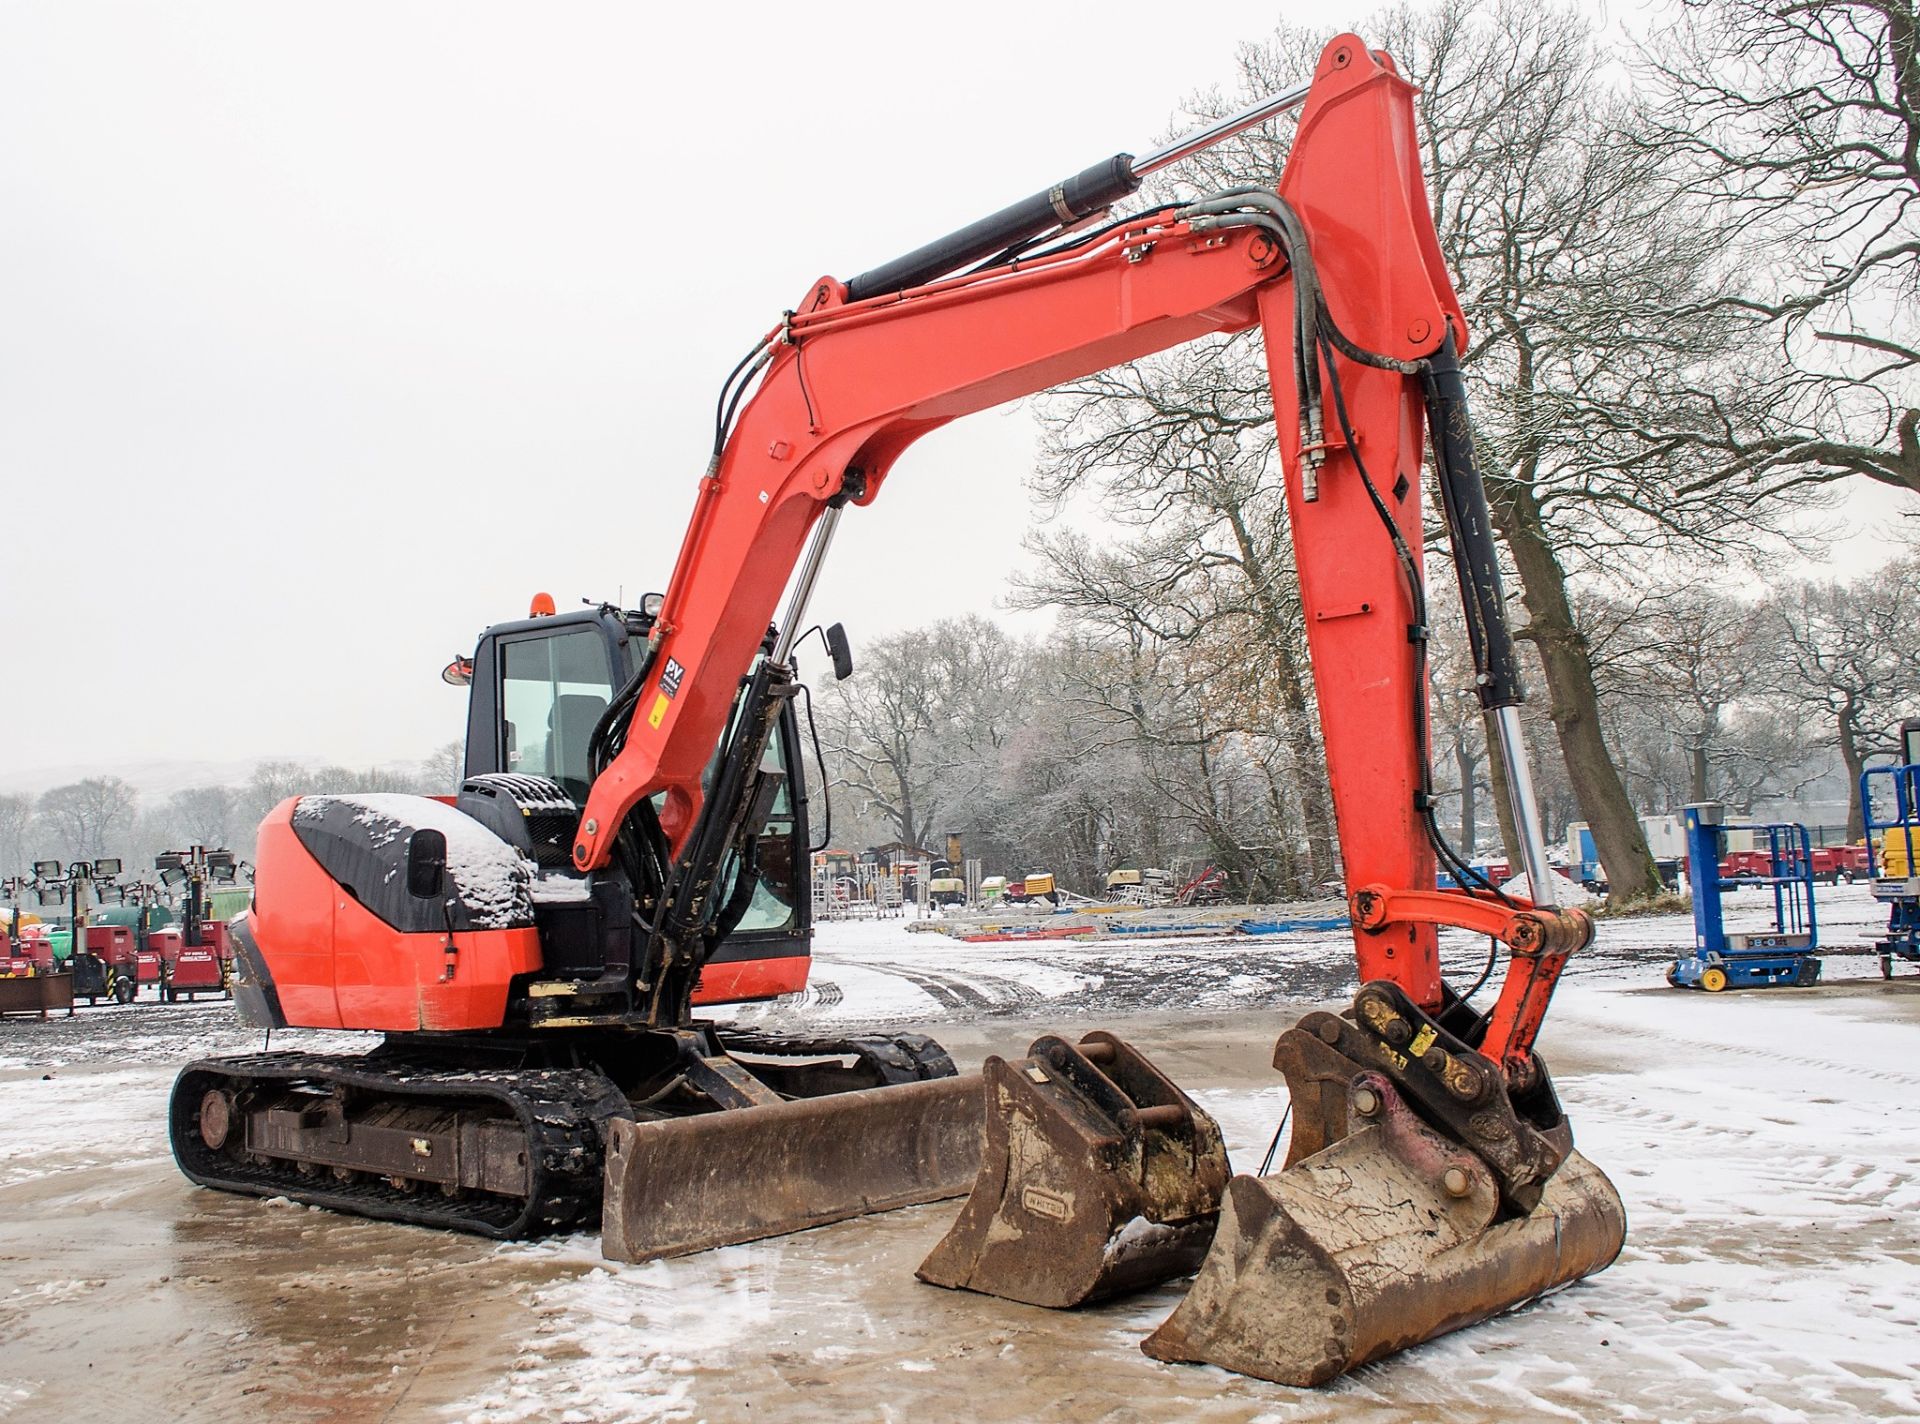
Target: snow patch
[
  {"x": 1565, "y": 891},
  {"x": 492, "y": 878},
  {"x": 625, "y": 1342},
  {"x": 561, "y": 889}
]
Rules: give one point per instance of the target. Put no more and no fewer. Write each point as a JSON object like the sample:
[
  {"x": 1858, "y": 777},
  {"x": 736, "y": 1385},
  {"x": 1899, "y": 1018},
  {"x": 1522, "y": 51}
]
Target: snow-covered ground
[{"x": 1767, "y": 1144}]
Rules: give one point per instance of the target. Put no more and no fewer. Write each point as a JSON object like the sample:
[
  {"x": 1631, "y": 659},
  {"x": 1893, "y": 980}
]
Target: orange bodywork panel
[
  {"x": 335, "y": 964},
  {"x": 736, "y": 981}
]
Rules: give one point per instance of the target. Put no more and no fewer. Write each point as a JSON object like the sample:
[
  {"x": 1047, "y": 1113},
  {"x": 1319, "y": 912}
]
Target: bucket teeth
[
  {"x": 1097, "y": 1175},
  {"x": 1388, "y": 1237}
]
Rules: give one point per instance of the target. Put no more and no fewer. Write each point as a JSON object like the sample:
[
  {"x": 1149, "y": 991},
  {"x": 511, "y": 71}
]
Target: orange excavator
[{"x": 629, "y": 841}]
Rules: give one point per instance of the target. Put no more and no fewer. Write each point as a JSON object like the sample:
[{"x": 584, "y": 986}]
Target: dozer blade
[
  {"x": 678, "y": 1185},
  {"x": 1386, "y": 1238},
  {"x": 1097, "y": 1176}
]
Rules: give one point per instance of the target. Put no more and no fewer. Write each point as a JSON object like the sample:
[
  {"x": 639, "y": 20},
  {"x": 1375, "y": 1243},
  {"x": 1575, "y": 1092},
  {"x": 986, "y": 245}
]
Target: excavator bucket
[
  {"x": 1097, "y": 1176},
  {"x": 1387, "y": 1237},
  {"x": 683, "y": 1184}
]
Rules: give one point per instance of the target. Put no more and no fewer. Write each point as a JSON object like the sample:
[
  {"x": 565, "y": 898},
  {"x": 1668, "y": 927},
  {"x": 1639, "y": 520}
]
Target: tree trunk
[
  {"x": 1855, "y": 761},
  {"x": 1502, "y": 802},
  {"x": 1574, "y": 702},
  {"x": 1464, "y": 762}
]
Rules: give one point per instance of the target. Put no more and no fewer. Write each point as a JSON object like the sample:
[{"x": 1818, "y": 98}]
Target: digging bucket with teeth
[
  {"x": 1097, "y": 1175},
  {"x": 1384, "y": 1230}
]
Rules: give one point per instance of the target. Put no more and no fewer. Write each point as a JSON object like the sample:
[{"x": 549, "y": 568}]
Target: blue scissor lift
[
  {"x": 1894, "y": 867},
  {"x": 1784, "y": 954}
]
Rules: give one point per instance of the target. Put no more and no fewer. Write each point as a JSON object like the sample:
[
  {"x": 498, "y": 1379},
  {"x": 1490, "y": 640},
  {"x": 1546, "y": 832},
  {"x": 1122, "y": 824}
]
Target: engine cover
[{"x": 341, "y": 944}]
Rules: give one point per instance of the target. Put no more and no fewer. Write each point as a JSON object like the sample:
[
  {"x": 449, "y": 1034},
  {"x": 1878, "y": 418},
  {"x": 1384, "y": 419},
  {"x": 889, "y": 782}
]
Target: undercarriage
[{"x": 509, "y": 1139}]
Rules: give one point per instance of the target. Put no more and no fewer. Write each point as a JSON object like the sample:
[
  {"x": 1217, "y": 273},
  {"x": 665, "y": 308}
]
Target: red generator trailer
[
  {"x": 28, "y": 984},
  {"x": 1746, "y": 865},
  {"x": 1830, "y": 864},
  {"x": 195, "y": 969},
  {"x": 108, "y": 968},
  {"x": 1834, "y": 864},
  {"x": 16, "y": 957},
  {"x": 29, "y": 952},
  {"x": 151, "y": 966},
  {"x": 198, "y": 952}
]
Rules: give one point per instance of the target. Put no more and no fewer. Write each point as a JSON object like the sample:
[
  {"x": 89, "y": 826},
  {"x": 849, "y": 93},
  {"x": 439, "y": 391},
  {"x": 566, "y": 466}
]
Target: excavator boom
[
  {"x": 1342, "y": 263},
  {"x": 1430, "y": 1161}
]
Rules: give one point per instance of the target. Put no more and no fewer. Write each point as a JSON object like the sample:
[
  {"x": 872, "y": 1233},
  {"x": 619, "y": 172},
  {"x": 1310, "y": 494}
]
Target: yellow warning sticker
[
  {"x": 1422, "y": 1041},
  {"x": 659, "y": 710}
]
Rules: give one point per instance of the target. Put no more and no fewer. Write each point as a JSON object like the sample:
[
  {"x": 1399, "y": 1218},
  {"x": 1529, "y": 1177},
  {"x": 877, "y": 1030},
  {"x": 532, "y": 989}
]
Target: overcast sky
[{"x": 330, "y": 333}]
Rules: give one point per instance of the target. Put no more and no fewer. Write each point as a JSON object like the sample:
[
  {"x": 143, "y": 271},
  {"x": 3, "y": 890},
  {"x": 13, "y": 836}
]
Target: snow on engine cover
[{"x": 337, "y": 940}]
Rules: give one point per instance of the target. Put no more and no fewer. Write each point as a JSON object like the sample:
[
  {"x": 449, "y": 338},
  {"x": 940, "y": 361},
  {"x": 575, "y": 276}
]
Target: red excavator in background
[{"x": 534, "y": 951}]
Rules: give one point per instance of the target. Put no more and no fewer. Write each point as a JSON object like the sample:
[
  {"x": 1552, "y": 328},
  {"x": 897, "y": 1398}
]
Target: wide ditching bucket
[
  {"x": 1097, "y": 1175},
  {"x": 677, "y": 1185},
  {"x": 1387, "y": 1237}
]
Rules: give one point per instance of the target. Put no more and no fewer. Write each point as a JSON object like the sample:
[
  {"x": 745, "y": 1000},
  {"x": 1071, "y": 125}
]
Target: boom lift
[
  {"x": 1894, "y": 867},
  {"x": 1431, "y": 1179}
]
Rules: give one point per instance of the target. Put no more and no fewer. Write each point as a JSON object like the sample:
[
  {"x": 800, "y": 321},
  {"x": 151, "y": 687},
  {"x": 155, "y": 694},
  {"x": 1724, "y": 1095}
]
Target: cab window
[
  {"x": 553, "y": 689},
  {"x": 774, "y": 898}
]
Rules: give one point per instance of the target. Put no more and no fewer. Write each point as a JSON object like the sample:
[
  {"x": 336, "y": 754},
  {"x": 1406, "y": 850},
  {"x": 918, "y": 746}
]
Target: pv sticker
[{"x": 670, "y": 679}]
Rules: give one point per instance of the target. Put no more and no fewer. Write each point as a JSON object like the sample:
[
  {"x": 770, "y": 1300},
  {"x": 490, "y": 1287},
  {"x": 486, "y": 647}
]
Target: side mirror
[
  {"x": 427, "y": 864},
  {"x": 841, "y": 654}
]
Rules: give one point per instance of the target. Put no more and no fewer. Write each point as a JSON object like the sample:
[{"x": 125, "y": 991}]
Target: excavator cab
[{"x": 539, "y": 687}]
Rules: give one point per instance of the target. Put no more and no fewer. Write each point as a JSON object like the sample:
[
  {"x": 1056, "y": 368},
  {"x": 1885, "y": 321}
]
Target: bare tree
[
  {"x": 270, "y": 784},
  {"x": 1183, "y": 445},
  {"x": 1679, "y": 659},
  {"x": 441, "y": 773},
  {"x": 1801, "y": 119},
  {"x": 1458, "y": 730},
  {"x": 348, "y": 780},
  {"x": 16, "y": 814},
  {"x": 86, "y": 817},
  {"x": 922, "y": 716},
  {"x": 204, "y": 814},
  {"x": 1849, "y": 657},
  {"x": 1178, "y": 676},
  {"x": 1599, "y": 341}
]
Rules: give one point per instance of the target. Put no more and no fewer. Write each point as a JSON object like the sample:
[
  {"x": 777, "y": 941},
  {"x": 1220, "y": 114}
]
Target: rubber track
[
  {"x": 556, "y": 1108},
  {"x": 560, "y": 1109}
]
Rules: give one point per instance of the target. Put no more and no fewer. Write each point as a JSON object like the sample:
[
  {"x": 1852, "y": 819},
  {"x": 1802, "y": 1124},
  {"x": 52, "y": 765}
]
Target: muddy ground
[{"x": 1767, "y": 1144}]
